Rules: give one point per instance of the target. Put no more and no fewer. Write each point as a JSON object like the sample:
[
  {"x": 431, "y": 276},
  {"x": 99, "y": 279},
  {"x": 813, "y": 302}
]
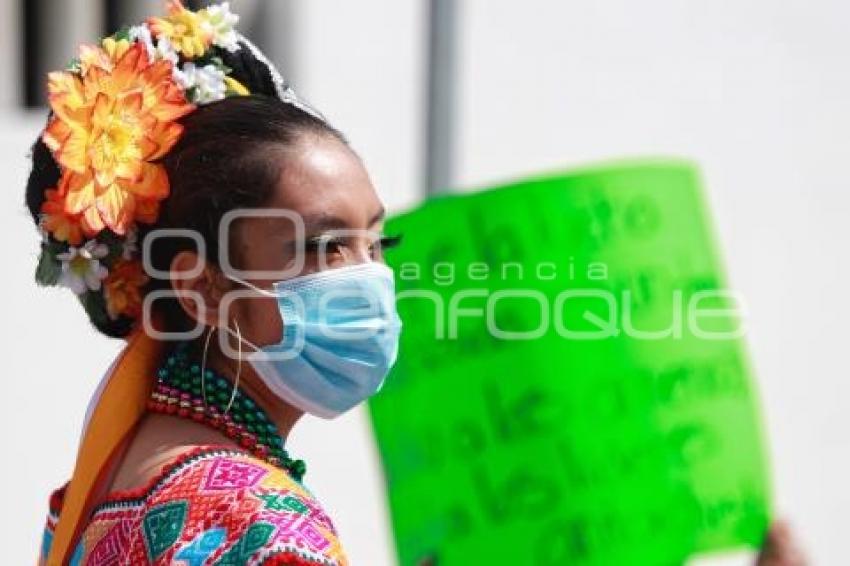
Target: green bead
[
  {"x": 187, "y": 377},
  {"x": 298, "y": 468}
]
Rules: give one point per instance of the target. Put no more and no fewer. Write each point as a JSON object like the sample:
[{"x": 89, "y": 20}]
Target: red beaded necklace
[{"x": 182, "y": 391}]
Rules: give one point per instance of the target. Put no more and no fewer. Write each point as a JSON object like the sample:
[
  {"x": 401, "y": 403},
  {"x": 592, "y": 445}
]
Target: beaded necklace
[{"x": 180, "y": 391}]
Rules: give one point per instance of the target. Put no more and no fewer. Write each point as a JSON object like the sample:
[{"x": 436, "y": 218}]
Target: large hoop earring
[
  {"x": 238, "y": 368},
  {"x": 204, "y": 367}
]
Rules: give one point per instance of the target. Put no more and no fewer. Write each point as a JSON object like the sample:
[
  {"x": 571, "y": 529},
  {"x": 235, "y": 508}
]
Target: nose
[{"x": 358, "y": 254}]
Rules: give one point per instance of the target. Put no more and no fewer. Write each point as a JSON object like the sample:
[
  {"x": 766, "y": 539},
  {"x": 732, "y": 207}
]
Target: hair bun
[{"x": 255, "y": 74}]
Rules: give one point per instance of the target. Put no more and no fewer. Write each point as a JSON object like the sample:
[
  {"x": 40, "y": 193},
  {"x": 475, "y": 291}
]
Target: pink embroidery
[
  {"x": 110, "y": 548},
  {"x": 229, "y": 474},
  {"x": 229, "y": 499}
]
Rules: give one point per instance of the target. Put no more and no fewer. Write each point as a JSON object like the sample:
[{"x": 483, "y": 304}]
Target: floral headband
[{"x": 115, "y": 114}]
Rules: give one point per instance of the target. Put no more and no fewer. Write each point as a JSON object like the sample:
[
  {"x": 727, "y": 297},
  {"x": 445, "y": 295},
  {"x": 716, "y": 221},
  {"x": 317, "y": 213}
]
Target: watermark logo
[{"x": 449, "y": 294}]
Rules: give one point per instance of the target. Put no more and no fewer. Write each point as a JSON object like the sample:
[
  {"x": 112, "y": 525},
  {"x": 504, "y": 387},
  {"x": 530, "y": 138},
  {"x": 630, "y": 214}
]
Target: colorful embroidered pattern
[{"x": 213, "y": 506}]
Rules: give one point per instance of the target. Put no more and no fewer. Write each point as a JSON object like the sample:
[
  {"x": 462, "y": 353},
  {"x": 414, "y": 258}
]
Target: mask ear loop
[{"x": 204, "y": 367}]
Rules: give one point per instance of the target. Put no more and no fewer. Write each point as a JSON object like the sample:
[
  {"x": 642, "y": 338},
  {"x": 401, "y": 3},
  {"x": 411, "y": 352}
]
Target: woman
[
  {"x": 201, "y": 210},
  {"x": 171, "y": 126}
]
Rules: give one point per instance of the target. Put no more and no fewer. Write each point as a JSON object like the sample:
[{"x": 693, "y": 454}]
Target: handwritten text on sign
[{"x": 572, "y": 387}]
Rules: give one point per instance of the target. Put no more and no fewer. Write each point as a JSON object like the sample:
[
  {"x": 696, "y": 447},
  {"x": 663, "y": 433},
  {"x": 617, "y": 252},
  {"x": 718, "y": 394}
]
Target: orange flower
[
  {"x": 110, "y": 125},
  {"x": 123, "y": 289},
  {"x": 62, "y": 226},
  {"x": 187, "y": 31}
]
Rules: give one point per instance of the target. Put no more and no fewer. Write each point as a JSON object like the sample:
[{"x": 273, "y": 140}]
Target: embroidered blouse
[{"x": 213, "y": 505}]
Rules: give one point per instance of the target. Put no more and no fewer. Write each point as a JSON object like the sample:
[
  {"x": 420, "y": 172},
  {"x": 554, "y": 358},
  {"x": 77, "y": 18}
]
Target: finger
[{"x": 780, "y": 548}]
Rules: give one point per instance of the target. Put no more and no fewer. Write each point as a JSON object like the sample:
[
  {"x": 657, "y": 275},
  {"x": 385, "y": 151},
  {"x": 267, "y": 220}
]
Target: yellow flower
[
  {"x": 110, "y": 125},
  {"x": 122, "y": 289},
  {"x": 236, "y": 86},
  {"x": 187, "y": 31},
  {"x": 103, "y": 57}
]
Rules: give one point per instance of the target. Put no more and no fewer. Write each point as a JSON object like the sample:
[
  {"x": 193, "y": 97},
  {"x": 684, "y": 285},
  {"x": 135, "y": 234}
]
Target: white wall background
[{"x": 756, "y": 91}]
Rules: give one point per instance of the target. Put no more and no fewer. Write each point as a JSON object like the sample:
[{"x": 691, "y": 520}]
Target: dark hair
[{"x": 223, "y": 161}]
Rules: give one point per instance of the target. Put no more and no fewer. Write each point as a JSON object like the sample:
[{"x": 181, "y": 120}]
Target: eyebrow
[
  {"x": 325, "y": 221},
  {"x": 382, "y": 212}
]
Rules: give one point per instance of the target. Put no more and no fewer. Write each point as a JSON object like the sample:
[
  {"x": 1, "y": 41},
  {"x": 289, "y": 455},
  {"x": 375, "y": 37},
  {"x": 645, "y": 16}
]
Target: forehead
[{"x": 322, "y": 177}]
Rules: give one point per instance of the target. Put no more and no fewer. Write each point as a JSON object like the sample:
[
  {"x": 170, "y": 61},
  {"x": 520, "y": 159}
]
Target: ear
[{"x": 199, "y": 287}]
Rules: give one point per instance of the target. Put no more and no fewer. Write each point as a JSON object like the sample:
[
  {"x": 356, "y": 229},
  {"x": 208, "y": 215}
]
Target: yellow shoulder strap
[{"x": 117, "y": 413}]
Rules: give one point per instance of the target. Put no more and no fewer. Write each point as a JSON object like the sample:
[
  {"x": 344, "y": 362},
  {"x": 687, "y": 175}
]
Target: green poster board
[{"x": 572, "y": 386}]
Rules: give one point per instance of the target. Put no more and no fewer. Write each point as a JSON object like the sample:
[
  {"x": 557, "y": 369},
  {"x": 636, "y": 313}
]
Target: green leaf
[
  {"x": 192, "y": 94},
  {"x": 123, "y": 33},
  {"x": 49, "y": 269},
  {"x": 219, "y": 64}
]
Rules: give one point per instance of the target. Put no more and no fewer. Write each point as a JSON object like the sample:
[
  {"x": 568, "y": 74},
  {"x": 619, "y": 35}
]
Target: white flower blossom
[
  {"x": 142, "y": 33},
  {"x": 81, "y": 267},
  {"x": 161, "y": 50},
  {"x": 165, "y": 50},
  {"x": 207, "y": 82},
  {"x": 130, "y": 245},
  {"x": 42, "y": 232},
  {"x": 220, "y": 22}
]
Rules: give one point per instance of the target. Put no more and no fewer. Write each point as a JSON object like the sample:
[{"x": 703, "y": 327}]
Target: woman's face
[{"x": 324, "y": 188}]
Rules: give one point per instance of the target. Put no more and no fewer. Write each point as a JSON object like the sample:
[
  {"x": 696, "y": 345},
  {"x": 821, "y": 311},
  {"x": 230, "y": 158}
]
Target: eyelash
[
  {"x": 315, "y": 243},
  {"x": 388, "y": 242}
]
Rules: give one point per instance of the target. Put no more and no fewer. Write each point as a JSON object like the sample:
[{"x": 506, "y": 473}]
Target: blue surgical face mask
[{"x": 340, "y": 338}]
